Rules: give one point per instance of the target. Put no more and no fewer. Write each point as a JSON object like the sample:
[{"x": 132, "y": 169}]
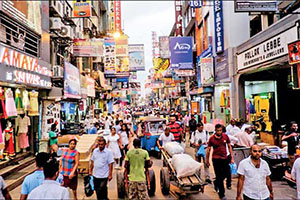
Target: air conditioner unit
[
  {"x": 57, "y": 7},
  {"x": 67, "y": 32},
  {"x": 58, "y": 71},
  {"x": 87, "y": 23},
  {"x": 55, "y": 23}
]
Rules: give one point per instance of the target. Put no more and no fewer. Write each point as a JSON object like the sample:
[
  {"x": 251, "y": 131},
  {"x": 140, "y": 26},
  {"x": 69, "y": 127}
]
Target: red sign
[
  {"x": 117, "y": 6},
  {"x": 294, "y": 52},
  {"x": 178, "y": 18}
]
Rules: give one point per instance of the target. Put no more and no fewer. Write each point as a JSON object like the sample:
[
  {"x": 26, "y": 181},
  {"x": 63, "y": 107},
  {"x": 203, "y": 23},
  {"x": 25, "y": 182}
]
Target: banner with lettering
[
  {"x": 109, "y": 56},
  {"x": 72, "y": 85}
]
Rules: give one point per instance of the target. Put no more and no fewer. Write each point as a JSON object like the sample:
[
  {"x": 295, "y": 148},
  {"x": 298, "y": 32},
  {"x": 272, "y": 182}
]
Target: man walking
[
  {"x": 218, "y": 142},
  {"x": 136, "y": 162},
  {"x": 254, "y": 177},
  {"x": 101, "y": 167},
  {"x": 292, "y": 139},
  {"x": 193, "y": 124},
  {"x": 175, "y": 129}
]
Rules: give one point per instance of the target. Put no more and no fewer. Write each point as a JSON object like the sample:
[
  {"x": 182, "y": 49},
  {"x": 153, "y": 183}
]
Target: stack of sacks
[{"x": 185, "y": 165}]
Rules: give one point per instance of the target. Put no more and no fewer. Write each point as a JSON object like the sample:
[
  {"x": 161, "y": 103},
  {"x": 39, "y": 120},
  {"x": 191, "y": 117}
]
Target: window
[{"x": 255, "y": 25}]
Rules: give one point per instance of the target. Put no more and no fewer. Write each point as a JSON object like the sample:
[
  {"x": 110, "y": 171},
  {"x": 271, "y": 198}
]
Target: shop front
[{"x": 24, "y": 80}]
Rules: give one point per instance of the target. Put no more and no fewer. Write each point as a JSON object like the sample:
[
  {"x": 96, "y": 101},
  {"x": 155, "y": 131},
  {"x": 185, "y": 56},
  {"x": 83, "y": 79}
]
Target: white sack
[
  {"x": 185, "y": 165},
  {"x": 173, "y": 148}
]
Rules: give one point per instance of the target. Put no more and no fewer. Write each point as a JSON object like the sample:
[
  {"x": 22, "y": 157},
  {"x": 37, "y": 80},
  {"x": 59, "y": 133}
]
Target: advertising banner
[
  {"x": 72, "y": 87},
  {"x": 82, "y": 8},
  {"x": 164, "y": 49},
  {"x": 178, "y": 18},
  {"x": 136, "y": 57},
  {"x": 90, "y": 87},
  {"x": 207, "y": 70},
  {"x": 221, "y": 66},
  {"x": 294, "y": 52},
  {"x": 181, "y": 52},
  {"x": 122, "y": 45},
  {"x": 117, "y": 12},
  {"x": 83, "y": 83},
  {"x": 219, "y": 30},
  {"x": 122, "y": 64},
  {"x": 109, "y": 56},
  {"x": 88, "y": 47}
]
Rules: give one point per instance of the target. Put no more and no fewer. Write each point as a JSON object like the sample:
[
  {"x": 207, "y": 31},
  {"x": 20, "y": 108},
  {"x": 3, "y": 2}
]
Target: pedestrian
[
  {"x": 50, "y": 189},
  {"x": 126, "y": 139},
  {"x": 4, "y": 194},
  {"x": 88, "y": 124},
  {"x": 254, "y": 177},
  {"x": 165, "y": 138},
  {"x": 114, "y": 143},
  {"x": 69, "y": 165},
  {"x": 192, "y": 124},
  {"x": 53, "y": 135},
  {"x": 236, "y": 129},
  {"x": 218, "y": 142},
  {"x": 37, "y": 177},
  {"x": 201, "y": 135},
  {"x": 101, "y": 168},
  {"x": 244, "y": 138},
  {"x": 117, "y": 126},
  {"x": 136, "y": 161},
  {"x": 94, "y": 128},
  {"x": 230, "y": 126},
  {"x": 296, "y": 175},
  {"x": 292, "y": 139},
  {"x": 175, "y": 129}
]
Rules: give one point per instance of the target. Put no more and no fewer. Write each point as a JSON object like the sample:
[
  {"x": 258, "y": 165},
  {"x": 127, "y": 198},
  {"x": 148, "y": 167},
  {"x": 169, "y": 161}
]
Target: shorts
[
  {"x": 71, "y": 183},
  {"x": 137, "y": 190}
]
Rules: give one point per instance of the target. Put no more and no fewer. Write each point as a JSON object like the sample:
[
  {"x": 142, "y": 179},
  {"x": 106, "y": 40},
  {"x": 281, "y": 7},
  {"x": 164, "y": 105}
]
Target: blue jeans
[{"x": 248, "y": 198}]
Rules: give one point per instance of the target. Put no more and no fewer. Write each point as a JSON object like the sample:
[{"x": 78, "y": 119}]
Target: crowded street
[{"x": 139, "y": 100}]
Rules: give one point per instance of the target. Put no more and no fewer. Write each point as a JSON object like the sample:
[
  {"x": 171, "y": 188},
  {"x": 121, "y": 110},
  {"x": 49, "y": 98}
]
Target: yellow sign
[{"x": 82, "y": 8}]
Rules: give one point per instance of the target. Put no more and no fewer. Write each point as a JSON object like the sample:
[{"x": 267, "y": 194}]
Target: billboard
[
  {"x": 164, "y": 49},
  {"x": 136, "y": 57},
  {"x": 88, "y": 47},
  {"x": 72, "y": 87},
  {"x": 181, "y": 49},
  {"x": 294, "y": 52},
  {"x": 207, "y": 70},
  {"x": 255, "y": 6},
  {"x": 82, "y": 8},
  {"x": 117, "y": 12},
  {"x": 122, "y": 45},
  {"x": 122, "y": 64},
  {"x": 219, "y": 29},
  {"x": 109, "y": 56}
]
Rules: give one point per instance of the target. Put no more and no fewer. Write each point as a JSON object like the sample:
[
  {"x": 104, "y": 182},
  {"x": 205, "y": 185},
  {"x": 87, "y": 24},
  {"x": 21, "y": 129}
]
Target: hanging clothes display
[
  {"x": 34, "y": 105},
  {"x": 23, "y": 122},
  {"x": 25, "y": 100},
  {"x": 18, "y": 102},
  {"x": 222, "y": 99},
  {"x": 10, "y": 105},
  {"x": 9, "y": 141},
  {"x": 3, "y": 114}
]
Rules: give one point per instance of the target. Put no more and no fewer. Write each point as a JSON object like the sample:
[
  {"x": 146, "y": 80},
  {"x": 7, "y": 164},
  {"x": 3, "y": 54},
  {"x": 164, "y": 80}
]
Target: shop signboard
[
  {"x": 82, "y": 8},
  {"x": 219, "y": 30},
  {"x": 71, "y": 81},
  {"x": 122, "y": 64},
  {"x": 122, "y": 45},
  {"x": 195, "y": 3},
  {"x": 221, "y": 66},
  {"x": 164, "y": 49},
  {"x": 270, "y": 49},
  {"x": 91, "y": 87},
  {"x": 136, "y": 57},
  {"x": 184, "y": 73},
  {"x": 255, "y": 6},
  {"x": 22, "y": 69},
  {"x": 207, "y": 70},
  {"x": 88, "y": 47},
  {"x": 178, "y": 18},
  {"x": 181, "y": 53},
  {"x": 119, "y": 80},
  {"x": 117, "y": 12},
  {"x": 112, "y": 16},
  {"x": 83, "y": 83},
  {"x": 109, "y": 56},
  {"x": 294, "y": 52}
]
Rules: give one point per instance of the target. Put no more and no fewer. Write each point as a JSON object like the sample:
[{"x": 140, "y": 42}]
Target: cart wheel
[
  {"x": 164, "y": 180},
  {"x": 121, "y": 184},
  {"x": 151, "y": 192}
]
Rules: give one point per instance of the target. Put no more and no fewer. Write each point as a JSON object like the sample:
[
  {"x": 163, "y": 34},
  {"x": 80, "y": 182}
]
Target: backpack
[{"x": 88, "y": 186}]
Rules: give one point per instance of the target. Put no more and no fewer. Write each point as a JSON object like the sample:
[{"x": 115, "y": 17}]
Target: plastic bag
[
  {"x": 185, "y": 165},
  {"x": 173, "y": 148},
  {"x": 233, "y": 168},
  {"x": 201, "y": 150},
  {"x": 88, "y": 185}
]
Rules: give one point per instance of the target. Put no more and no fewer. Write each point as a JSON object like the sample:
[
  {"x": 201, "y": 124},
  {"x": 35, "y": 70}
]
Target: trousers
[
  {"x": 100, "y": 185},
  {"x": 220, "y": 168}
]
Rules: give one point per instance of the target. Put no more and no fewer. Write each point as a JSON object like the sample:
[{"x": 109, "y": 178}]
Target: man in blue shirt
[
  {"x": 35, "y": 179},
  {"x": 94, "y": 129}
]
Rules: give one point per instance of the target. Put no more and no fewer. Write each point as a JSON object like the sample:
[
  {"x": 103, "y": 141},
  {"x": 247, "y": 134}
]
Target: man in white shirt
[
  {"x": 165, "y": 137},
  {"x": 254, "y": 177},
  {"x": 198, "y": 138},
  {"x": 296, "y": 175},
  {"x": 230, "y": 126},
  {"x": 244, "y": 138},
  {"x": 236, "y": 129},
  {"x": 50, "y": 188}
]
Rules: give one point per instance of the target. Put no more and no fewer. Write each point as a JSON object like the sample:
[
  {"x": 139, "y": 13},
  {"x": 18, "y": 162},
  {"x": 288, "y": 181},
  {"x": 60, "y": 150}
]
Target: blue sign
[
  {"x": 219, "y": 31},
  {"x": 195, "y": 3},
  {"x": 198, "y": 71},
  {"x": 181, "y": 49},
  {"x": 125, "y": 79}
]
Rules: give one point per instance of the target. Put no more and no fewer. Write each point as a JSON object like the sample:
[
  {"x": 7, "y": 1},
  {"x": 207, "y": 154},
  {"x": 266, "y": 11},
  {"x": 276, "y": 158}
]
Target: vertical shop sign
[
  {"x": 207, "y": 70},
  {"x": 110, "y": 56},
  {"x": 164, "y": 49},
  {"x": 136, "y": 57},
  {"x": 112, "y": 16},
  {"x": 82, "y": 8},
  {"x": 155, "y": 48},
  {"x": 91, "y": 87},
  {"x": 181, "y": 52},
  {"x": 219, "y": 32},
  {"x": 178, "y": 18},
  {"x": 117, "y": 10},
  {"x": 71, "y": 81}
]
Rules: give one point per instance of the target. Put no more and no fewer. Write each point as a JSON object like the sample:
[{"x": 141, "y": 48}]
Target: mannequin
[
  {"x": 9, "y": 140},
  {"x": 23, "y": 122}
]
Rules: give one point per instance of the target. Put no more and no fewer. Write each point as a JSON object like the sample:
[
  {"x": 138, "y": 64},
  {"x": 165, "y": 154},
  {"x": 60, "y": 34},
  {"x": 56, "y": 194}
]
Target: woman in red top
[{"x": 68, "y": 167}]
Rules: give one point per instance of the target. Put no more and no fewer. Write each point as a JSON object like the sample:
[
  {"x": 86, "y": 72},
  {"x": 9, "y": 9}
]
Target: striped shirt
[
  {"x": 176, "y": 130},
  {"x": 68, "y": 161}
]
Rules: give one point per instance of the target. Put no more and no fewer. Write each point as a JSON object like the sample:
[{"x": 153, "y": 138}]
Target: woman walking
[
  {"x": 68, "y": 167},
  {"x": 114, "y": 143},
  {"x": 125, "y": 137}
]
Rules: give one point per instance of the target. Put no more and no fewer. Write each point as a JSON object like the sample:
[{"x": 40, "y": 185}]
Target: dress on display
[
  {"x": 9, "y": 141},
  {"x": 114, "y": 146},
  {"x": 3, "y": 114},
  {"x": 34, "y": 106},
  {"x": 25, "y": 100},
  {"x": 10, "y": 105},
  {"x": 23, "y": 124},
  {"x": 18, "y": 101}
]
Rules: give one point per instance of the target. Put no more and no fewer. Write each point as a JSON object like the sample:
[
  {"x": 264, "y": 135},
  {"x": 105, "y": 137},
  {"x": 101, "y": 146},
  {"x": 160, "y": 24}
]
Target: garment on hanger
[
  {"x": 25, "y": 100},
  {"x": 10, "y": 105},
  {"x": 34, "y": 105},
  {"x": 18, "y": 102},
  {"x": 3, "y": 114},
  {"x": 9, "y": 141},
  {"x": 23, "y": 124},
  {"x": 222, "y": 99}
]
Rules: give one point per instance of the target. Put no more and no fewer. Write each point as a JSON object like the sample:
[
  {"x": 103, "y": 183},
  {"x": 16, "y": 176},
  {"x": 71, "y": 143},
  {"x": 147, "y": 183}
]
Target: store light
[{"x": 117, "y": 34}]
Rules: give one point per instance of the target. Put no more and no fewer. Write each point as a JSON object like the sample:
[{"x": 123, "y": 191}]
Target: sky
[{"x": 142, "y": 17}]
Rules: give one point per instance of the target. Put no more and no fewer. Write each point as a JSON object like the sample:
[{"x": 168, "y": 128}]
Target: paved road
[{"x": 281, "y": 189}]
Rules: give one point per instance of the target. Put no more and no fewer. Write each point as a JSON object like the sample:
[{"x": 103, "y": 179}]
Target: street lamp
[{"x": 117, "y": 34}]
